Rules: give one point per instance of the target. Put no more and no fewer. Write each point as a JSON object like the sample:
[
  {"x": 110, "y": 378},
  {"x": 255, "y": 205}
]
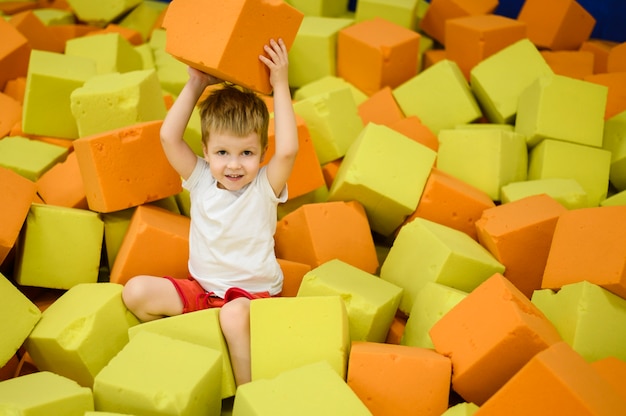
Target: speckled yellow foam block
[
  {"x": 385, "y": 171},
  {"x": 287, "y": 333},
  {"x": 185, "y": 328},
  {"x": 111, "y": 52},
  {"x": 158, "y": 375},
  {"x": 425, "y": 251},
  {"x": 115, "y": 100},
  {"x": 310, "y": 390},
  {"x": 371, "y": 302},
  {"x": 18, "y": 316},
  {"x": 43, "y": 394}
]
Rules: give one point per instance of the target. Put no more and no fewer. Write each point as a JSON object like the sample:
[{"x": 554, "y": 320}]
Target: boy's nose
[{"x": 233, "y": 162}]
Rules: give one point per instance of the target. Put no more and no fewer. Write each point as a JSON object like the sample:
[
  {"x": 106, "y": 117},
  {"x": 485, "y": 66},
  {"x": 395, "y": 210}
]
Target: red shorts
[{"x": 195, "y": 298}]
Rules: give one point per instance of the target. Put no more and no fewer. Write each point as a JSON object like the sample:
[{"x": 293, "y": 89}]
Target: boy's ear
[{"x": 263, "y": 153}]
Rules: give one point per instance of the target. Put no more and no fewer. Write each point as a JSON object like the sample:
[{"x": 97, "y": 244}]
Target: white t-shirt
[{"x": 231, "y": 238}]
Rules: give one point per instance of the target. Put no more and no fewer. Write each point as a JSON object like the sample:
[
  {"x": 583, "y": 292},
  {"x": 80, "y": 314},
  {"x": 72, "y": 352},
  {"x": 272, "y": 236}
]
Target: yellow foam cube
[
  {"x": 402, "y": 13},
  {"x": 99, "y": 13},
  {"x": 326, "y": 84},
  {"x": 328, "y": 8},
  {"x": 29, "y": 158},
  {"x": 110, "y": 51},
  {"x": 566, "y": 191},
  {"x": 614, "y": 140},
  {"x": 171, "y": 72},
  {"x": 144, "y": 17}
]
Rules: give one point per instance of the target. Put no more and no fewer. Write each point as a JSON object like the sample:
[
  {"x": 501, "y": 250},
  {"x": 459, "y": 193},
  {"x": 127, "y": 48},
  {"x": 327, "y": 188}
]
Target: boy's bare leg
[
  {"x": 151, "y": 297},
  {"x": 235, "y": 323}
]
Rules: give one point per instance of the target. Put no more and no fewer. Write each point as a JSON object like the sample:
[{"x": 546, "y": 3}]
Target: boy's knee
[
  {"x": 235, "y": 315},
  {"x": 133, "y": 292}
]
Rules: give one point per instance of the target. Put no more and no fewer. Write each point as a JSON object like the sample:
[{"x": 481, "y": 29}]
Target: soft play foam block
[
  {"x": 145, "y": 17},
  {"x": 156, "y": 243},
  {"x": 582, "y": 237},
  {"x": 434, "y": 21},
  {"x": 11, "y": 113},
  {"x": 615, "y": 199},
  {"x": 615, "y": 82},
  {"x": 18, "y": 194},
  {"x": 60, "y": 247},
  {"x": 451, "y": 202},
  {"x": 18, "y": 316},
  {"x": 325, "y": 8},
  {"x": 498, "y": 157},
  {"x": 81, "y": 331},
  {"x": 402, "y": 13},
  {"x": 386, "y": 172},
  {"x": 399, "y": 380},
  {"x": 519, "y": 235},
  {"x": 44, "y": 393},
  {"x": 616, "y": 58},
  {"x": 14, "y": 53},
  {"x": 471, "y": 39},
  {"x": 125, "y": 167},
  {"x": 566, "y": 383},
  {"x": 39, "y": 36},
  {"x": 381, "y": 108},
  {"x": 29, "y": 158},
  {"x": 102, "y": 12},
  {"x": 62, "y": 185},
  {"x": 313, "y": 54},
  {"x": 52, "y": 16},
  {"x": 132, "y": 36},
  {"x": 566, "y": 191},
  {"x": 612, "y": 370},
  {"x": 589, "y": 318},
  {"x": 116, "y": 100},
  {"x": 498, "y": 95},
  {"x": 51, "y": 79},
  {"x": 461, "y": 409},
  {"x": 316, "y": 233},
  {"x": 614, "y": 140},
  {"x": 287, "y": 333},
  {"x": 600, "y": 49},
  {"x": 371, "y": 302},
  {"x": 110, "y": 51},
  {"x": 333, "y": 122},
  {"x": 293, "y": 273},
  {"x": 489, "y": 336},
  {"x": 413, "y": 128},
  {"x": 589, "y": 166},
  {"x": 432, "y": 302},
  {"x": 573, "y": 64},
  {"x": 156, "y": 374},
  {"x": 326, "y": 84},
  {"x": 425, "y": 251},
  {"x": 546, "y": 102},
  {"x": 185, "y": 328},
  {"x": 308, "y": 390},
  {"x": 171, "y": 72},
  {"x": 560, "y": 25},
  {"x": 439, "y": 96},
  {"x": 115, "y": 226},
  {"x": 371, "y": 61},
  {"x": 244, "y": 27}
]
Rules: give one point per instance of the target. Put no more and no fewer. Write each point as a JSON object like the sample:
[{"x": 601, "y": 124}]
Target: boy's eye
[
  {"x": 221, "y": 152},
  {"x": 247, "y": 153}
]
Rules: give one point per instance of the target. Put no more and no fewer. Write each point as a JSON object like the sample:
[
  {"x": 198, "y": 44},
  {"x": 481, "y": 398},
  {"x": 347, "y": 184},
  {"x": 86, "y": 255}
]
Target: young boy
[{"x": 233, "y": 205}]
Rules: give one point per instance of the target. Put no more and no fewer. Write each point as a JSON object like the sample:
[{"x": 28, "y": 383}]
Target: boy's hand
[
  {"x": 278, "y": 62},
  {"x": 202, "y": 78}
]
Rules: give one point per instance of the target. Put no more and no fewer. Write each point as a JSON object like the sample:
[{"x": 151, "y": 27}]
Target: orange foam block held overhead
[
  {"x": 225, "y": 39},
  {"x": 126, "y": 167}
]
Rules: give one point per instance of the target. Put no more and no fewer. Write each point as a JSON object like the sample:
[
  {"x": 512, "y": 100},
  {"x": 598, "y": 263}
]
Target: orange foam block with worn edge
[
  {"x": 306, "y": 175},
  {"x": 557, "y": 24},
  {"x": 62, "y": 185},
  {"x": 434, "y": 21},
  {"x": 556, "y": 381},
  {"x": 589, "y": 244},
  {"x": 38, "y": 34},
  {"x": 316, "y": 233},
  {"x": 489, "y": 336},
  {"x": 399, "y": 380},
  {"x": 449, "y": 201},
  {"x": 519, "y": 235},
  {"x": 377, "y": 53},
  {"x": 380, "y": 108},
  {"x": 14, "y": 53},
  {"x": 413, "y": 128},
  {"x": 17, "y": 194},
  {"x": 471, "y": 39},
  {"x": 156, "y": 244},
  {"x": 231, "y": 34},
  {"x": 616, "y": 98},
  {"x": 125, "y": 167}
]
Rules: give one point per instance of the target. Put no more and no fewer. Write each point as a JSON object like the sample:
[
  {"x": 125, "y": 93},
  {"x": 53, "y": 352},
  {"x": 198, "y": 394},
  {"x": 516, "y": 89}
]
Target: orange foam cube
[
  {"x": 377, "y": 53},
  {"x": 573, "y": 64},
  {"x": 67, "y": 32},
  {"x": 556, "y": 381},
  {"x": 329, "y": 170},
  {"x": 489, "y": 336},
  {"x": 519, "y": 235},
  {"x": 399, "y": 380},
  {"x": 133, "y": 36},
  {"x": 380, "y": 108},
  {"x": 38, "y": 34},
  {"x": 17, "y": 196},
  {"x": 440, "y": 11},
  {"x": 471, "y": 39},
  {"x": 616, "y": 99},
  {"x": 432, "y": 56},
  {"x": 589, "y": 244},
  {"x": 600, "y": 50},
  {"x": 616, "y": 61},
  {"x": 306, "y": 175},
  {"x": 125, "y": 167},
  {"x": 14, "y": 53},
  {"x": 449, "y": 201},
  {"x": 316, "y": 233},
  {"x": 612, "y": 370},
  {"x": 238, "y": 31},
  {"x": 156, "y": 244},
  {"x": 558, "y": 24},
  {"x": 11, "y": 113},
  {"x": 396, "y": 330},
  {"x": 413, "y": 128},
  {"x": 62, "y": 185},
  {"x": 15, "y": 88},
  {"x": 293, "y": 272}
]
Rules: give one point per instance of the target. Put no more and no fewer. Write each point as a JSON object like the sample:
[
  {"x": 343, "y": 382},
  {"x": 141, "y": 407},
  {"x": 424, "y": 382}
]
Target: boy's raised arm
[
  {"x": 286, "y": 131},
  {"x": 178, "y": 152}
]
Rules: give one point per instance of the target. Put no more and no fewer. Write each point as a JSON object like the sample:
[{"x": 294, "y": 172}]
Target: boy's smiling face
[{"x": 234, "y": 161}]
